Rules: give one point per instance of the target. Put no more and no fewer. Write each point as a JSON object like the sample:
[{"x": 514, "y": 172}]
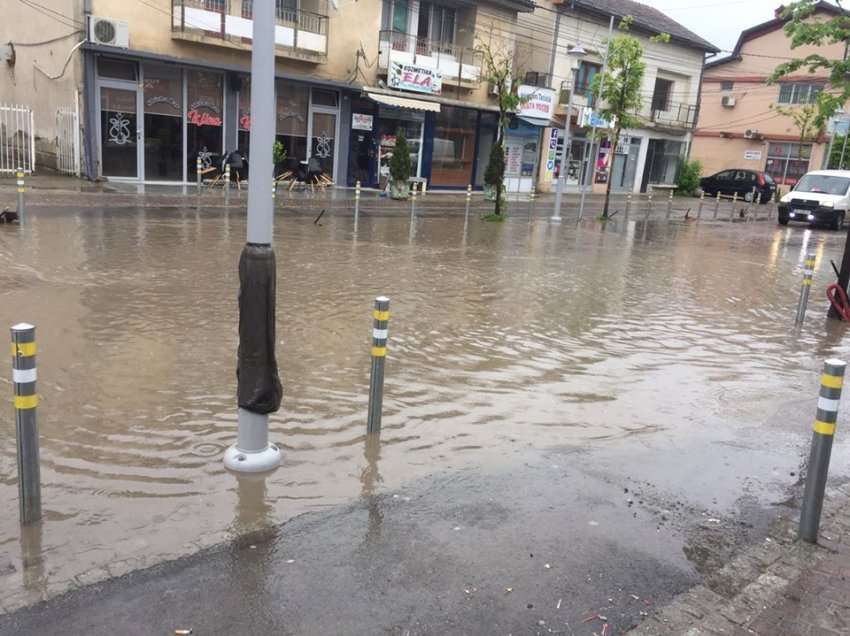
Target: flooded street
[{"x": 658, "y": 352}]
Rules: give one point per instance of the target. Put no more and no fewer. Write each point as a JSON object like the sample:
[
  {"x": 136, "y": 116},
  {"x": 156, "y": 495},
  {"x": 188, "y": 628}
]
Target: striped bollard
[
  {"x": 808, "y": 272},
  {"x": 649, "y": 206},
  {"x": 717, "y": 206},
  {"x": 415, "y": 188},
  {"x": 424, "y": 188},
  {"x": 469, "y": 192},
  {"x": 701, "y": 203},
  {"x": 824, "y": 432},
  {"x": 734, "y": 205},
  {"x": 227, "y": 178},
  {"x": 380, "y": 332},
  {"x": 24, "y": 377},
  {"x": 670, "y": 205},
  {"x": 628, "y": 204},
  {"x": 531, "y": 197},
  {"x": 356, "y": 203},
  {"x": 20, "y": 176},
  {"x": 274, "y": 190},
  {"x": 199, "y": 166}
]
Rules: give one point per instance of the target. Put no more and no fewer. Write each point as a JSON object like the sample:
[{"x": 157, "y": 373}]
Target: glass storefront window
[
  {"x": 118, "y": 130},
  {"x": 322, "y": 97},
  {"x": 204, "y": 117},
  {"x": 787, "y": 162},
  {"x": 323, "y": 149},
  {"x": 163, "y": 99},
  {"x": 116, "y": 69},
  {"x": 391, "y": 122},
  {"x": 244, "y": 123},
  {"x": 454, "y": 147},
  {"x": 663, "y": 158},
  {"x": 486, "y": 139},
  {"x": 293, "y": 104}
]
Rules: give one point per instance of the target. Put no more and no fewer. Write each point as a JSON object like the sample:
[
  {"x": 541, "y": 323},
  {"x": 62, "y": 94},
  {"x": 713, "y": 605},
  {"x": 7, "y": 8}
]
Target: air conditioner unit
[
  {"x": 727, "y": 101},
  {"x": 751, "y": 133},
  {"x": 109, "y": 32}
]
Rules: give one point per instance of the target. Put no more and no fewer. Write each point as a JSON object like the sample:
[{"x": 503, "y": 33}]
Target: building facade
[
  {"x": 739, "y": 125},
  {"x": 646, "y": 155},
  {"x": 164, "y": 82}
]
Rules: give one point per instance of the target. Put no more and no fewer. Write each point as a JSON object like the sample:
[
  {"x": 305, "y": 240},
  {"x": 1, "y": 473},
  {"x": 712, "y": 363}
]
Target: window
[
  {"x": 661, "y": 95},
  {"x": 204, "y": 116},
  {"x": 293, "y": 103},
  {"x": 727, "y": 85},
  {"x": 394, "y": 16},
  {"x": 116, "y": 69},
  {"x": 799, "y": 93},
  {"x": 436, "y": 28},
  {"x": 286, "y": 10},
  {"x": 454, "y": 147},
  {"x": 584, "y": 80},
  {"x": 787, "y": 162},
  {"x": 823, "y": 184}
]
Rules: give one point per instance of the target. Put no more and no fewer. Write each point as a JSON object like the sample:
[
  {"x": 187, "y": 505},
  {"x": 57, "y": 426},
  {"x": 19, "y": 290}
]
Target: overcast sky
[{"x": 718, "y": 21}]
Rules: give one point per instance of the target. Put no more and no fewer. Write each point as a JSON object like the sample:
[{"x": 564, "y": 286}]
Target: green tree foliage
[
  {"x": 805, "y": 119},
  {"x": 278, "y": 153},
  {"x": 500, "y": 73},
  {"x": 689, "y": 174},
  {"x": 618, "y": 90},
  {"x": 400, "y": 161},
  {"x": 839, "y": 158},
  {"x": 802, "y": 30}
]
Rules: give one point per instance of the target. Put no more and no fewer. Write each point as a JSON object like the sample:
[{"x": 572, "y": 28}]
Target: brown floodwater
[{"x": 502, "y": 336}]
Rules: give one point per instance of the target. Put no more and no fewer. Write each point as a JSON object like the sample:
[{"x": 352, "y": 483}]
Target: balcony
[
  {"x": 458, "y": 65},
  {"x": 299, "y": 34},
  {"x": 675, "y": 116}
]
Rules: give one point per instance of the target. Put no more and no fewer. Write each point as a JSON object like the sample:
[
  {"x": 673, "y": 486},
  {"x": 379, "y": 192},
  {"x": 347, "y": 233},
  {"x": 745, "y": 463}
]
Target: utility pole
[
  {"x": 576, "y": 52},
  {"x": 259, "y": 390},
  {"x": 593, "y": 153}
]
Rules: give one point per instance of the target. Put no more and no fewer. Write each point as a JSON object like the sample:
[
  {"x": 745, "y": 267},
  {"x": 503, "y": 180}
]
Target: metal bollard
[
  {"x": 808, "y": 272},
  {"x": 734, "y": 205},
  {"x": 649, "y": 206},
  {"x": 670, "y": 205},
  {"x": 26, "y": 426},
  {"x": 628, "y": 204},
  {"x": 199, "y": 166},
  {"x": 356, "y": 203},
  {"x": 380, "y": 327},
  {"x": 227, "y": 179},
  {"x": 717, "y": 206},
  {"x": 424, "y": 187},
  {"x": 824, "y": 431},
  {"x": 274, "y": 191},
  {"x": 415, "y": 188},
  {"x": 701, "y": 203},
  {"x": 531, "y": 198},
  {"x": 21, "y": 189},
  {"x": 469, "y": 191}
]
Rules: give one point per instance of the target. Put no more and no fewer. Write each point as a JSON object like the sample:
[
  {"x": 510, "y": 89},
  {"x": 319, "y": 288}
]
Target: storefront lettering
[
  {"x": 536, "y": 102},
  {"x": 415, "y": 78},
  {"x": 163, "y": 99},
  {"x": 245, "y": 121},
  {"x": 198, "y": 118}
]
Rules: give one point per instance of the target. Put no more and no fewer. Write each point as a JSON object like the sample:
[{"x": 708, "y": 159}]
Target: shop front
[{"x": 155, "y": 120}]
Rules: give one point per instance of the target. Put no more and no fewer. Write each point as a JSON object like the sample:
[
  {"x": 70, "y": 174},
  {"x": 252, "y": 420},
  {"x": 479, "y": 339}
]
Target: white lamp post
[{"x": 574, "y": 55}]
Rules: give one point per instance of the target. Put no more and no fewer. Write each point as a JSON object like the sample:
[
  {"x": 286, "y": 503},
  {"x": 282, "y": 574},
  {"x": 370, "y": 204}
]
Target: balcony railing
[
  {"x": 302, "y": 32},
  {"x": 676, "y": 116},
  {"x": 456, "y": 64}
]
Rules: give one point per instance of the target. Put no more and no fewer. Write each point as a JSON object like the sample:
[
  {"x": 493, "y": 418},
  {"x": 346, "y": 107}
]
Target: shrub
[
  {"x": 688, "y": 180},
  {"x": 400, "y": 161},
  {"x": 495, "y": 173}
]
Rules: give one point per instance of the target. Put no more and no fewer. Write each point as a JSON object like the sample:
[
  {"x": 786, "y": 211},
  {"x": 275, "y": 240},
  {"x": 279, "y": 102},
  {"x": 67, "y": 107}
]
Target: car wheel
[
  {"x": 748, "y": 197},
  {"x": 838, "y": 221},
  {"x": 783, "y": 221}
]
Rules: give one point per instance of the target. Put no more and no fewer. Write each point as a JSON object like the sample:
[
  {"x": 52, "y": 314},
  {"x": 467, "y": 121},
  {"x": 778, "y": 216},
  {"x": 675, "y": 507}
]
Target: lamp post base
[{"x": 252, "y": 462}]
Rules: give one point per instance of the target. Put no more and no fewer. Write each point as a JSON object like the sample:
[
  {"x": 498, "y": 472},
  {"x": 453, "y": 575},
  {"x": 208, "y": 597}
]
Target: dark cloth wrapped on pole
[{"x": 259, "y": 389}]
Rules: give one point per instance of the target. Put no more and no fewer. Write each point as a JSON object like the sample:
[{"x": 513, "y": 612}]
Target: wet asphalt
[{"x": 554, "y": 542}]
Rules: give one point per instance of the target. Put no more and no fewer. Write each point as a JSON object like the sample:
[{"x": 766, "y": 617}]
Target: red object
[
  {"x": 761, "y": 180},
  {"x": 203, "y": 119},
  {"x": 841, "y": 304}
]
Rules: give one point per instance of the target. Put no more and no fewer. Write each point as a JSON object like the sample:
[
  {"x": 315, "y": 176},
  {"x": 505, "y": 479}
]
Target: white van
[{"x": 821, "y": 197}]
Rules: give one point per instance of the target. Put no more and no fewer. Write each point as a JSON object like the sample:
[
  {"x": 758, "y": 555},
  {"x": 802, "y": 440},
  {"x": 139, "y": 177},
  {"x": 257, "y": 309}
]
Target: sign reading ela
[{"x": 419, "y": 79}]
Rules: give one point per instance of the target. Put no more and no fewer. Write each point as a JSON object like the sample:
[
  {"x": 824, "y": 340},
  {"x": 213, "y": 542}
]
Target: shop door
[
  {"x": 363, "y": 159},
  {"x": 119, "y": 131},
  {"x": 323, "y": 141},
  {"x": 625, "y": 166}
]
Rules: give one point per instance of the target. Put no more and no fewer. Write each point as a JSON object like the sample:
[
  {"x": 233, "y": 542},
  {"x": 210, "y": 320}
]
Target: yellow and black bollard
[
  {"x": 356, "y": 204},
  {"x": 21, "y": 189},
  {"x": 701, "y": 203},
  {"x": 24, "y": 377},
  {"x": 808, "y": 273},
  {"x": 824, "y": 431},
  {"x": 199, "y": 169},
  {"x": 380, "y": 333}
]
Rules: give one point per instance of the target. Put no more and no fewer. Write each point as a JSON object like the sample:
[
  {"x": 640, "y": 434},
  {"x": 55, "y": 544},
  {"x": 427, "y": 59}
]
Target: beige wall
[
  {"x": 754, "y": 99},
  {"x": 23, "y": 83}
]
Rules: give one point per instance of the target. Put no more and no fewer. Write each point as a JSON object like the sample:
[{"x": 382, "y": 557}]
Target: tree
[
  {"x": 802, "y": 31},
  {"x": 499, "y": 72},
  {"x": 805, "y": 120},
  {"x": 618, "y": 90},
  {"x": 688, "y": 180},
  {"x": 400, "y": 166}
]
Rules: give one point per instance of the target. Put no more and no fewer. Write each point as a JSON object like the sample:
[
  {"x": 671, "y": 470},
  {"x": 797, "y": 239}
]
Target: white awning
[
  {"x": 405, "y": 102},
  {"x": 539, "y": 121}
]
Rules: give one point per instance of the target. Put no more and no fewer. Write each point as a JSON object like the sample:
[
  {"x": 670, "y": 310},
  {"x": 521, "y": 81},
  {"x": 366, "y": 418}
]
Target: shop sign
[
  {"x": 552, "y": 155},
  {"x": 204, "y": 113},
  {"x": 362, "y": 122},
  {"x": 752, "y": 155},
  {"x": 590, "y": 118},
  {"x": 419, "y": 79},
  {"x": 536, "y": 102}
]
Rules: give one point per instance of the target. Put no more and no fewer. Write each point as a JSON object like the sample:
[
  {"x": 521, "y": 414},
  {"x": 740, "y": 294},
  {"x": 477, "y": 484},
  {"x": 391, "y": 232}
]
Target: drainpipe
[{"x": 89, "y": 91}]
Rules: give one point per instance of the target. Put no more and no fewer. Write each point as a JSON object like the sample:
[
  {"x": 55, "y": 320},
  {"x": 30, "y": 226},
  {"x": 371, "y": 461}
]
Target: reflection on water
[{"x": 504, "y": 336}]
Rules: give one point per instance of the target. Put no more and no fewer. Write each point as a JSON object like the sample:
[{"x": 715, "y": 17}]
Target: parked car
[
  {"x": 821, "y": 197},
  {"x": 740, "y": 182}
]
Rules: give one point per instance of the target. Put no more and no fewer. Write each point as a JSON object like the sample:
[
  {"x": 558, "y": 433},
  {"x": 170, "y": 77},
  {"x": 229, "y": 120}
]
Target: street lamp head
[{"x": 577, "y": 51}]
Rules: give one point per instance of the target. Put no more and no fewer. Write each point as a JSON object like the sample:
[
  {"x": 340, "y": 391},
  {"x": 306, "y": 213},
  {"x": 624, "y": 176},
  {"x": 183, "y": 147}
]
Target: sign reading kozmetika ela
[{"x": 409, "y": 77}]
